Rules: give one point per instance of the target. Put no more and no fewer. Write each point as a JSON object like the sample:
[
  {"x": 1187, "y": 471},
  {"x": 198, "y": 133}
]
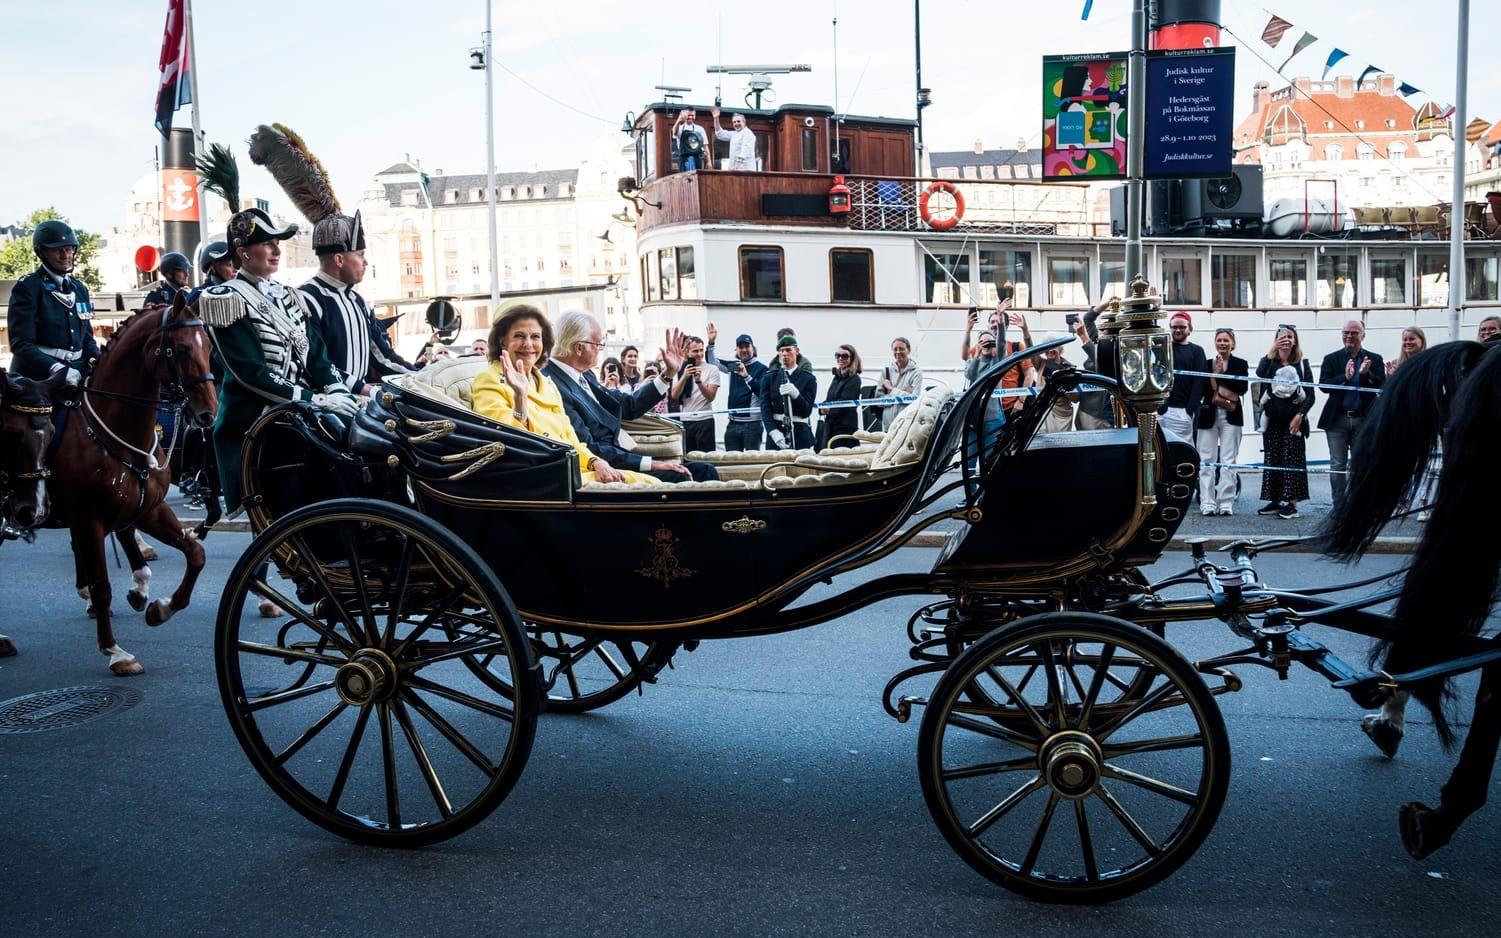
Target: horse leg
[
  {"x": 161, "y": 523},
  {"x": 7, "y": 647},
  {"x": 140, "y": 574},
  {"x": 88, "y": 543},
  {"x": 1386, "y": 727},
  {"x": 1426, "y": 829},
  {"x": 80, "y": 573},
  {"x": 143, "y": 549}
]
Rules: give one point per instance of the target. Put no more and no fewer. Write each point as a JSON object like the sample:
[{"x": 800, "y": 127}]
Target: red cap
[{"x": 1181, "y": 314}]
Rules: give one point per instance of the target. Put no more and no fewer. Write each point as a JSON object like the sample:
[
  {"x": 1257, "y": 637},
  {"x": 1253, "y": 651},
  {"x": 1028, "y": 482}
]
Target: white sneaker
[
  {"x": 1208, "y": 511},
  {"x": 1227, "y": 510}
]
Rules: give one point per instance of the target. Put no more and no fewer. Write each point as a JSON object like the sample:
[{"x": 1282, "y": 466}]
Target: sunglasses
[{"x": 841, "y": 354}]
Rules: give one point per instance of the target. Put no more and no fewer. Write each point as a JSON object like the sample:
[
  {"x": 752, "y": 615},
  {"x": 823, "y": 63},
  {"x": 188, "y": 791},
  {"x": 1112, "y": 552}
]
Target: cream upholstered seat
[{"x": 452, "y": 378}]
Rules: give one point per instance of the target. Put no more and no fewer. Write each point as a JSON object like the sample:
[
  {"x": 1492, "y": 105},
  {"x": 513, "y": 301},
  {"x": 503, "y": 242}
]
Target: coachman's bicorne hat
[
  {"x": 338, "y": 234},
  {"x": 254, "y": 226}
]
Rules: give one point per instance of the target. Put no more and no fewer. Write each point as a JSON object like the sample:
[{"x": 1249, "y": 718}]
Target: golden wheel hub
[
  {"x": 1071, "y": 762},
  {"x": 369, "y": 677}
]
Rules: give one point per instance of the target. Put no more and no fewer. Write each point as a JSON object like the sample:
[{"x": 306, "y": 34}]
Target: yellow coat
[{"x": 494, "y": 398}]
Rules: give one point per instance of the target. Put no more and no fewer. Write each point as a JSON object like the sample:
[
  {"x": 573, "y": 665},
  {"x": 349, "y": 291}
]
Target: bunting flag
[
  {"x": 1442, "y": 114},
  {"x": 174, "y": 90},
  {"x": 1275, "y": 27},
  {"x": 1307, "y": 40},
  {"x": 1408, "y": 91},
  {"x": 1088, "y": 4},
  {"x": 1334, "y": 57},
  {"x": 1369, "y": 70}
]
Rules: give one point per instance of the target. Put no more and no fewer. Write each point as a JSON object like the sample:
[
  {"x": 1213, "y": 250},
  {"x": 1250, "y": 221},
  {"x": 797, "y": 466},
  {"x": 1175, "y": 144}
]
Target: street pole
[
  {"x": 1457, "y": 216},
  {"x": 917, "y": 41},
  {"x": 490, "y": 164},
  {"x": 197, "y": 130},
  {"x": 1136, "y": 117}
]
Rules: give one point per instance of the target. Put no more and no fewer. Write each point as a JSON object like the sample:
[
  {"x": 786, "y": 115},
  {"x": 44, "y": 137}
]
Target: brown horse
[
  {"x": 25, "y": 433},
  {"x": 110, "y": 473}
]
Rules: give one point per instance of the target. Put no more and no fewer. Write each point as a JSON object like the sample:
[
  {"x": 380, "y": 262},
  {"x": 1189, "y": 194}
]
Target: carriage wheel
[
  {"x": 360, "y": 709},
  {"x": 585, "y": 673},
  {"x": 1095, "y": 781}
]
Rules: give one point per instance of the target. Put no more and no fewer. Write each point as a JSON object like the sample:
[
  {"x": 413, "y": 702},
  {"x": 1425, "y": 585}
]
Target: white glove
[
  {"x": 342, "y": 403},
  {"x": 779, "y": 438},
  {"x": 788, "y": 389},
  {"x": 73, "y": 376}
]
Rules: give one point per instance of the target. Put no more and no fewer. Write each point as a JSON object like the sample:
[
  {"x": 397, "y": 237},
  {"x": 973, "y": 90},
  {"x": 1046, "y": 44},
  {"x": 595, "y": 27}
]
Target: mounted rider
[
  {"x": 357, "y": 344},
  {"x": 50, "y": 317},
  {"x": 267, "y": 338},
  {"x": 177, "y": 277},
  {"x": 217, "y": 265}
]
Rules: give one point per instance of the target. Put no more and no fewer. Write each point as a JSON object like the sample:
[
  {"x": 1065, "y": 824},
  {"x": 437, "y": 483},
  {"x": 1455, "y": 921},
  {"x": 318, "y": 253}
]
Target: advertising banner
[
  {"x": 1190, "y": 113},
  {"x": 1084, "y": 116}
]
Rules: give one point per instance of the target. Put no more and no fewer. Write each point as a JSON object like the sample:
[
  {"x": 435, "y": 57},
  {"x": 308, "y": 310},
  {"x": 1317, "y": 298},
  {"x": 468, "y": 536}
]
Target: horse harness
[{"x": 7, "y": 530}]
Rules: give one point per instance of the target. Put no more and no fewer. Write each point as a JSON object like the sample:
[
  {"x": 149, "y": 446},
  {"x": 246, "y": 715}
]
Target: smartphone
[
  {"x": 1008, "y": 292},
  {"x": 1071, "y": 319}
]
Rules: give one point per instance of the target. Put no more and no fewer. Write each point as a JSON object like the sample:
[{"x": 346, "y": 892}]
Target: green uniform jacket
[{"x": 272, "y": 355}]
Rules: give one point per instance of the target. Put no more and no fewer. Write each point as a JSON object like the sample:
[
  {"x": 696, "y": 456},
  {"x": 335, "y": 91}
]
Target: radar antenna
[{"x": 759, "y": 82}]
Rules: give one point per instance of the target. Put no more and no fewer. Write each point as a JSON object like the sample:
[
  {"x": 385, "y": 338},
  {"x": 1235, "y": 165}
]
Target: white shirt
[
  {"x": 578, "y": 376},
  {"x": 742, "y": 147},
  {"x": 694, "y": 401}
]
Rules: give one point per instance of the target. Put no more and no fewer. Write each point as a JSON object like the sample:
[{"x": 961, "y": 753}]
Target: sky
[{"x": 366, "y": 82}]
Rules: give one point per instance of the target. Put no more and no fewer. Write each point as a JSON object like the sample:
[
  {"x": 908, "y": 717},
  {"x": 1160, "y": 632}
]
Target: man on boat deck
[
  {"x": 787, "y": 397},
  {"x": 49, "y": 317}
]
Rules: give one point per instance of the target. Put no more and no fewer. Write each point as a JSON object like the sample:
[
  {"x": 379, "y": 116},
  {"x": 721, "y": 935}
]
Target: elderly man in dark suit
[
  {"x": 1352, "y": 367},
  {"x": 596, "y": 411}
]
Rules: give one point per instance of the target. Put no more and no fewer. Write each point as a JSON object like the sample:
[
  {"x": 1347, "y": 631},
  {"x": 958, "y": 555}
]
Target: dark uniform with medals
[
  {"x": 357, "y": 344},
  {"x": 50, "y": 317},
  {"x": 271, "y": 349}
]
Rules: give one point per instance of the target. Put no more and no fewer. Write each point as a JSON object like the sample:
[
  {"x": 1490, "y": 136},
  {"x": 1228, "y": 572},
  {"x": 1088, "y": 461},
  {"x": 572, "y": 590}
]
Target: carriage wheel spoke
[
  {"x": 984, "y": 822},
  {"x": 459, "y": 697},
  {"x": 1153, "y": 701},
  {"x": 1086, "y": 842},
  {"x": 1041, "y": 834},
  {"x": 466, "y": 648},
  {"x": 316, "y": 568},
  {"x": 457, "y": 739},
  {"x": 430, "y": 619},
  {"x": 265, "y": 591},
  {"x": 981, "y": 769},
  {"x": 1021, "y": 702},
  {"x": 288, "y": 654},
  {"x": 993, "y": 731},
  {"x": 610, "y": 663},
  {"x": 342, "y": 776},
  {"x": 272, "y": 700},
  {"x": 399, "y": 601},
  {"x": 1159, "y": 744},
  {"x": 1026, "y": 678},
  {"x": 1055, "y": 686},
  {"x": 566, "y": 654},
  {"x": 1096, "y": 683},
  {"x": 388, "y": 761},
  {"x": 419, "y": 753},
  {"x": 307, "y": 737},
  {"x": 1155, "y": 786},
  {"x": 1127, "y": 821},
  {"x": 361, "y": 589}
]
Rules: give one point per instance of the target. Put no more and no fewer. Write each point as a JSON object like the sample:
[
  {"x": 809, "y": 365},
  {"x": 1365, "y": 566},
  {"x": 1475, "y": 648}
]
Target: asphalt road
[{"x": 757, "y": 789}]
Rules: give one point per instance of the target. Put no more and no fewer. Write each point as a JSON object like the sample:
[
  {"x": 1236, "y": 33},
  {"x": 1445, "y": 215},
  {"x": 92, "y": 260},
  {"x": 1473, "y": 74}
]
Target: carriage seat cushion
[
  {"x": 453, "y": 378},
  {"x": 737, "y": 484},
  {"x": 910, "y": 433}
]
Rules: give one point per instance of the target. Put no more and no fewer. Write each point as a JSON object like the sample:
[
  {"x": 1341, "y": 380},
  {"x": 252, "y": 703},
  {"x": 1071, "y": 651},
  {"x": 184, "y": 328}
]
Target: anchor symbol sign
[{"x": 179, "y": 195}]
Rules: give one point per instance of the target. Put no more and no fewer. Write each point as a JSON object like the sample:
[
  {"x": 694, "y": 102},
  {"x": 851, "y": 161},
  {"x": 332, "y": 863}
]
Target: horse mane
[
  {"x": 1395, "y": 445},
  {"x": 118, "y": 338},
  {"x": 1456, "y": 570}
]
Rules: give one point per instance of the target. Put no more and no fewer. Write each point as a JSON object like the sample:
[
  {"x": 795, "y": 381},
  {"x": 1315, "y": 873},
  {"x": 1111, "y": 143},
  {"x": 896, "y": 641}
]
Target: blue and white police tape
[
  {"x": 1253, "y": 379},
  {"x": 1263, "y": 467}
]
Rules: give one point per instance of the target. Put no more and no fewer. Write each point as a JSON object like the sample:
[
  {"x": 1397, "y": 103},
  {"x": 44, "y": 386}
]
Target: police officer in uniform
[
  {"x": 50, "y": 317},
  {"x": 272, "y": 351},
  {"x": 357, "y": 344},
  {"x": 177, "y": 276},
  {"x": 216, "y": 264}
]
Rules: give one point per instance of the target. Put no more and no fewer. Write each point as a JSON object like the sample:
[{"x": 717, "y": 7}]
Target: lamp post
[
  {"x": 490, "y": 164},
  {"x": 1457, "y": 216}
]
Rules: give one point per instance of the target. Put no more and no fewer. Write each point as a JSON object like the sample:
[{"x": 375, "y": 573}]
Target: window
[
  {"x": 1183, "y": 281},
  {"x": 649, "y": 280},
  {"x": 945, "y": 278},
  {"x": 1288, "y": 280},
  {"x": 1481, "y": 278},
  {"x": 265, "y": 206},
  {"x": 1005, "y": 273},
  {"x": 1433, "y": 279},
  {"x": 507, "y": 192},
  {"x": 687, "y": 282},
  {"x": 1112, "y": 276},
  {"x": 668, "y": 267},
  {"x": 810, "y": 150},
  {"x": 851, "y": 275},
  {"x": 1364, "y": 151},
  {"x": 1232, "y": 280},
  {"x": 1068, "y": 281},
  {"x": 1397, "y": 151},
  {"x": 1388, "y": 281},
  {"x": 1335, "y": 287},
  {"x": 1334, "y": 151},
  {"x": 761, "y": 274}
]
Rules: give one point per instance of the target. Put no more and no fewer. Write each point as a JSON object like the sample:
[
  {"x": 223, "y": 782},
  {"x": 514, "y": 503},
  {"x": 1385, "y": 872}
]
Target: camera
[{"x": 1070, "y": 319}]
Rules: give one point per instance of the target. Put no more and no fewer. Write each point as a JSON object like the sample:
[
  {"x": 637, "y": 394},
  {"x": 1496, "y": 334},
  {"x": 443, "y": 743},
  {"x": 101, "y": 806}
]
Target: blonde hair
[{"x": 1422, "y": 341}]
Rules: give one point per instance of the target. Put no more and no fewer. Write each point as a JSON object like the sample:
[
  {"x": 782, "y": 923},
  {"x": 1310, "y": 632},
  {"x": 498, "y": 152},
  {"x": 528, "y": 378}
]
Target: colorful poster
[{"x": 1084, "y": 116}]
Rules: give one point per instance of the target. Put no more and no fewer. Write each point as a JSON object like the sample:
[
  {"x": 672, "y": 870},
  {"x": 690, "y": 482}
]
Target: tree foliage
[{"x": 17, "y": 259}]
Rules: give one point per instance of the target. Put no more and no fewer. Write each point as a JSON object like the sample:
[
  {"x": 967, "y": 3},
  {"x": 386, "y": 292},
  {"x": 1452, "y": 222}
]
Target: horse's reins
[{"x": 7, "y": 530}]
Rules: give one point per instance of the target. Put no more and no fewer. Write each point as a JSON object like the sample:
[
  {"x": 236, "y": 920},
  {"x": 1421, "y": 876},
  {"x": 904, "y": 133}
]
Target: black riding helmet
[
  {"x": 52, "y": 234},
  {"x": 172, "y": 262},
  {"x": 211, "y": 254}
]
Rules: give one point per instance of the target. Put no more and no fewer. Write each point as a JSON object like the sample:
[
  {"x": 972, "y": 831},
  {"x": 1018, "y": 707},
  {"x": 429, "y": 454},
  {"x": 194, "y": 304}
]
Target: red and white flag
[{"x": 174, "y": 90}]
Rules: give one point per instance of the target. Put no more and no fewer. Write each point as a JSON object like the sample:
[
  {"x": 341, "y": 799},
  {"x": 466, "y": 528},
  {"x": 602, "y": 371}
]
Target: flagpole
[
  {"x": 1457, "y": 216},
  {"x": 490, "y": 168},
  {"x": 1136, "y": 116},
  {"x": 197, "y": 131}
]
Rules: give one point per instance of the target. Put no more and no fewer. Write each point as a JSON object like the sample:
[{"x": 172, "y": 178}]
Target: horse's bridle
[
  {"x": 7, "y": 528},
  {"x": 178, "y": 385}
]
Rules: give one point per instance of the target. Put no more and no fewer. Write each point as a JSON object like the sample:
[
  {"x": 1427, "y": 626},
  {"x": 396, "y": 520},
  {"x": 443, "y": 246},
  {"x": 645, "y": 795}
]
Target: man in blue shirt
[
  {"x": 1353, "y": 367},
  {"x": 744, "y": 430}
]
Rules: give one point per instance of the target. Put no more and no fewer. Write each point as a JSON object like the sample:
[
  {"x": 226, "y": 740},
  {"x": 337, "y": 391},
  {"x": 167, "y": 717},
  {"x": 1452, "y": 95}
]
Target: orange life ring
[{"x": 942, "y": 224}]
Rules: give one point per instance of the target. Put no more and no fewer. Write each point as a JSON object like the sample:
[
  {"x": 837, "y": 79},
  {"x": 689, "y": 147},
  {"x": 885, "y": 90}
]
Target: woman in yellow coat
[{"x": 514, "y": 391}]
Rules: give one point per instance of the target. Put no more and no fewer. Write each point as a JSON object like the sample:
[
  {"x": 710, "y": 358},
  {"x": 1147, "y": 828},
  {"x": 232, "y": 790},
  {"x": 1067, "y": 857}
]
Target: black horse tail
[
  {"x": 1452, "y": 585},
  {"x": 1395, "y": 445}
]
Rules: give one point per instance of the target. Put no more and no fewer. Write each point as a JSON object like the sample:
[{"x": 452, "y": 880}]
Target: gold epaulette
[{"x": 221, "y": 305}]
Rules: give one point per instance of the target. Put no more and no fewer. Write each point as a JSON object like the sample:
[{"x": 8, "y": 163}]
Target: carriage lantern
[{"x": 1144, "y": 368}]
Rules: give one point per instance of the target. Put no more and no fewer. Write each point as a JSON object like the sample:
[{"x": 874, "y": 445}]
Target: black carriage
[{"x": 430, "y": 569}]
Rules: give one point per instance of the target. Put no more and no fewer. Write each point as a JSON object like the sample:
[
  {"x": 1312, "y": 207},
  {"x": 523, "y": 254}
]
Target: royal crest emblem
[{"x": 664, "y": 565}]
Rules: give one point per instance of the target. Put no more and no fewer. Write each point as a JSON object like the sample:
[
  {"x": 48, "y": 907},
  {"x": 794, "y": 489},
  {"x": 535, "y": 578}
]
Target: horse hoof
[
  {"x": 160, "y": 612},
  {"x": 1383, "y": 733},
  {"x": 137, "y": 600},
  {"x": 128, "y": 668},
  {"x": 7, "y": 647},
  {"x": 1422, "y": 830},
  {"x": 269, "y": 609},
  {"x": 89, "y": 611}
]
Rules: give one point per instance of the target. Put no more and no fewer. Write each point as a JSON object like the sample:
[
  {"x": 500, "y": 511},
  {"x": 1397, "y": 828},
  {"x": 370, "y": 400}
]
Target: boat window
[
  {"x": 1288, "y": 280},
  {"x": 1005, "y": 274},
  {"x": 851, "y": 275},
  {"x": 1433, "y": 279},
  {"x": 649, "y": 277},
  {"x": 687, "y": 281},
  {"x": 1335, "y": 286},
  {"x": 810, "y": 150},
  {"x": 646, "y": 155},
  {"x": 1388, "y": 281},
  {"x": 946, "y": 278},
  {"x": 1112, "y": 276},
  {"x": 1481, "y": 278},
  {"x": 1068, "y": 281},
  {"x": 1232, "y": 280},
  {"x": 1183, "y": 281},
  {"x": 669, "y": 268},
  {"x": 761, "y": 274}
]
